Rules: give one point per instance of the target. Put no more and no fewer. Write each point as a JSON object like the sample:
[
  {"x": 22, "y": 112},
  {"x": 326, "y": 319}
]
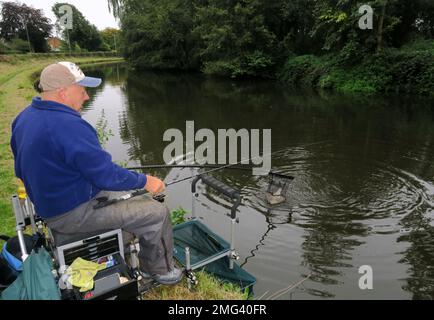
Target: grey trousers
[{"x": 145, "y": 218}]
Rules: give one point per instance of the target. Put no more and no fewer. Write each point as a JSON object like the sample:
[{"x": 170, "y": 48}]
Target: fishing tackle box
[{"x": 106, "y": 248}]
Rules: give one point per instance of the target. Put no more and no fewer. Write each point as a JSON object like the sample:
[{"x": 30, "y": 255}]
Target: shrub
[
  {"x": 19, "y": 45},
  {"x": 303, "y": 70},
  {"x": 230, "y": 68},
  {"x": 391, "y": 70},
  {"x": 3, "y": 47}
]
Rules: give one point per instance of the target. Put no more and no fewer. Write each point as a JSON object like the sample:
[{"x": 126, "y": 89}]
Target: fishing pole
[
  {"x": 202, "y": 166},
  {"x": 186, "y": 166},
  {"x": 137, "y": 193}
]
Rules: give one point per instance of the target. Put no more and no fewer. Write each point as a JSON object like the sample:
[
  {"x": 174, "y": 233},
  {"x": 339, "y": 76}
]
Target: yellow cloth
[{"x": 82, "y": 272}]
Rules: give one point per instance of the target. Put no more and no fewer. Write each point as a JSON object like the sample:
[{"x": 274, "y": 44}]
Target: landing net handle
[
  {"x": 221, "y": 187},
  {"x": 231, "y": 193}
]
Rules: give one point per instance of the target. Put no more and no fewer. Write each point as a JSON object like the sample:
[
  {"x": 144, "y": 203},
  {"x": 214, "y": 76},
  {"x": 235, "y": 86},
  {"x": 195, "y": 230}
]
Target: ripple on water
[{"x": 331, "y": 191}]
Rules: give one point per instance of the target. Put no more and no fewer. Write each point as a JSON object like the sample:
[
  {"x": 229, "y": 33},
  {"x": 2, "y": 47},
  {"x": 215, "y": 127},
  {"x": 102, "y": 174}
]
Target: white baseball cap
[{"x": 63, "y": 74}]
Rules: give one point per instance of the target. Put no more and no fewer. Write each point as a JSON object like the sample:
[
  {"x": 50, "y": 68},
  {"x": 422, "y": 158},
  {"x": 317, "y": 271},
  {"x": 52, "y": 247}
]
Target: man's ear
[{"x": 61, "y": 92}]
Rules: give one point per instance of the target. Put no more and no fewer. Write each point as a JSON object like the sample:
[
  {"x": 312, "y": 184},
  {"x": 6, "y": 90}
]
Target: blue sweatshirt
[{"x": 60, "y": 160}]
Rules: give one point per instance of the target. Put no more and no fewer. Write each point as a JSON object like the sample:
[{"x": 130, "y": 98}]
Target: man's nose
[{"x": 86, "y": 96}]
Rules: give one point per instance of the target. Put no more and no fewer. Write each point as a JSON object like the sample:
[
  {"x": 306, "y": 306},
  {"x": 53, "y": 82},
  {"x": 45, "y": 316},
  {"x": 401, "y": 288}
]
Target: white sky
[{"x": 95, "y": 11}]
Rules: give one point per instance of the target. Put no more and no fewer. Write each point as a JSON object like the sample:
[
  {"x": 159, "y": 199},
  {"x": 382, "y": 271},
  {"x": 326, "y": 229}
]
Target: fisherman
[{"x": 66, "y": 171}]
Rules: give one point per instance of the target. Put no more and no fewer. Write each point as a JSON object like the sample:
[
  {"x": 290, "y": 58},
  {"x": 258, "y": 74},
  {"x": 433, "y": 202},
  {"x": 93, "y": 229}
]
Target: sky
[{"x": 95, "y": 11}]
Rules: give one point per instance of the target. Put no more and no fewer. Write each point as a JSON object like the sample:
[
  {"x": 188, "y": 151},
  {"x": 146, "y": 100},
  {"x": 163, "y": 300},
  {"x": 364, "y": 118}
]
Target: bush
[
  {"x": 104, "y": 47},
  {"x": 419, "y": 44},
  {"x": 3, "y": 47},
  {"x": 389, "y": 71},
  {"x": 75, "y": 48},
  {"x": 303, "y": 71},
  {"x": 223, "y": 68},
  {"x": 19, "y": 45},
  {"x": 256, "y": 64},
  {"x": 411, "y": 73},
  {"x": 352, "y": 54}
]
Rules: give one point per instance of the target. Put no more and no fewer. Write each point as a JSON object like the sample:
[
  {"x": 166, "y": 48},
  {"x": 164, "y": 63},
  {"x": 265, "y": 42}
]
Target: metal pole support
[
  {"x": 20, "y": 226},
  {"x": 30, "y": 211},
  {"x": 188, "y": 265},
  {"x": 231, "y": 260}
]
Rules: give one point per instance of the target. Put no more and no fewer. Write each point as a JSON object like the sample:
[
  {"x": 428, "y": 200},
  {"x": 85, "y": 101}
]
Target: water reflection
[
  {"x": 419, "y": 232},
  {"x": 363, "y": 189}
]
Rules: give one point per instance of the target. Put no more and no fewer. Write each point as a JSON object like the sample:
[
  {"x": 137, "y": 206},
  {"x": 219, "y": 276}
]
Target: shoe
[{"x": 170, "y": 278}]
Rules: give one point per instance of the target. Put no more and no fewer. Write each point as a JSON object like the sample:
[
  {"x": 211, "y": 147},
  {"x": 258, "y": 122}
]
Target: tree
[
  {"x": 116, "y": 6},
  {"x": 228, "y": 37},
  {"x": 236, "y": 39},
  {"x": 19, "y": 21},
  {"x": 112, "y": 39},
  {"x": 395, "y": 21},
  {"x": 158, "y": 34},
  {"x": 83, "y": 33},
  {"x": 252, "y": 37},
  {"x": 425, "y": 18}
]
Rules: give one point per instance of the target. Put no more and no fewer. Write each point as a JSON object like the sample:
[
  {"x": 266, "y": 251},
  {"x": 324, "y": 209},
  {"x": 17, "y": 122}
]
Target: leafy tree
[
  {"x": 237, "y": 41},
  {"x": 112, "y": 38},
  {"x": 19, "y": 21},
  {"x": 158, "y": 34},
  {"x": 84, "y": 34},
  {"x": 424, "y": 23},
  {"x": 395, "y": 21},
  {"x": 253, "y": 37},
  {"x": 116, "y": 6}
]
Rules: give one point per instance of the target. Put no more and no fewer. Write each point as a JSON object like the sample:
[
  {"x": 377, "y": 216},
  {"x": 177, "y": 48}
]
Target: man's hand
[{"x": 154, "y": 185}]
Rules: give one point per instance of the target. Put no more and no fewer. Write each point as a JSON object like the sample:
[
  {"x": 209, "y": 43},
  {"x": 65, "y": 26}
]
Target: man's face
[{"x": 74, "y": 96}]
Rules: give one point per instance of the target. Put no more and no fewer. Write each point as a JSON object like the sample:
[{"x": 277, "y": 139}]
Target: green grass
[{"x": 208, "y": 288}]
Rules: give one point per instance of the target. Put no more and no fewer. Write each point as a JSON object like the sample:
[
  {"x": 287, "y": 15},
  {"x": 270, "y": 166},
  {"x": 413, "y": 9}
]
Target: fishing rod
[
  {"x": 202, "y": 166},
  {"x": 187, "y": 166},
  {"x": 138, "y": 193}
]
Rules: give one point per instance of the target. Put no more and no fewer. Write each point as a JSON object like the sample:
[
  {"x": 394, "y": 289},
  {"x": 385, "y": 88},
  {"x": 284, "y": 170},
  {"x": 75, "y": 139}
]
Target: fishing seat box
[{"x": 96, "y": 247}]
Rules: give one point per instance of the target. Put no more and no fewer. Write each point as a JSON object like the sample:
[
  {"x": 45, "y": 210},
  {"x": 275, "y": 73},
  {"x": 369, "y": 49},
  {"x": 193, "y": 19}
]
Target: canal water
[{"x": 363, "y": 193}]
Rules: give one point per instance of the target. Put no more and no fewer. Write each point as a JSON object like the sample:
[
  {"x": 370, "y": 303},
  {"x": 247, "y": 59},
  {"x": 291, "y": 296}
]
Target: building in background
[{"x": 55, "y": 44}]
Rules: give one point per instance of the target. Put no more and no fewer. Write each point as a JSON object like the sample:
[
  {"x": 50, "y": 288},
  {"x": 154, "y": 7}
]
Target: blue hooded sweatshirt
[{"x": 60, "y": 160}]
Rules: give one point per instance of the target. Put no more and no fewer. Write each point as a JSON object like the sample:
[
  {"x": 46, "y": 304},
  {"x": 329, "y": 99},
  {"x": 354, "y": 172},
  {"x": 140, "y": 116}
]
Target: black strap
[{"x": 4, "y": 238}]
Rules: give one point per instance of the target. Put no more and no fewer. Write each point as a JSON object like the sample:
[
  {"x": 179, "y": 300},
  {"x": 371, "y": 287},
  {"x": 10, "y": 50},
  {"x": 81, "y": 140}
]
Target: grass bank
[
  {"x": 16, "y": 92},
  {"x": 408, "y": 70},
  {"x": 208, "y": 288}
]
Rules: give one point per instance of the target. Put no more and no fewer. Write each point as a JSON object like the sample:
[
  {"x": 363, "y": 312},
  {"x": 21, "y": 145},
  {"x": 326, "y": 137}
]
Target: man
[{"x": 65, "y": 172}]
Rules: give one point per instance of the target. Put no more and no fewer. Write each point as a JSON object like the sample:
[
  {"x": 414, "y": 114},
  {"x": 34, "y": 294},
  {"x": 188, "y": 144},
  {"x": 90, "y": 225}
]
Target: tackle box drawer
[
  {"x": 91, "y": 249},
  {"x": 108, "y": 286}
]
